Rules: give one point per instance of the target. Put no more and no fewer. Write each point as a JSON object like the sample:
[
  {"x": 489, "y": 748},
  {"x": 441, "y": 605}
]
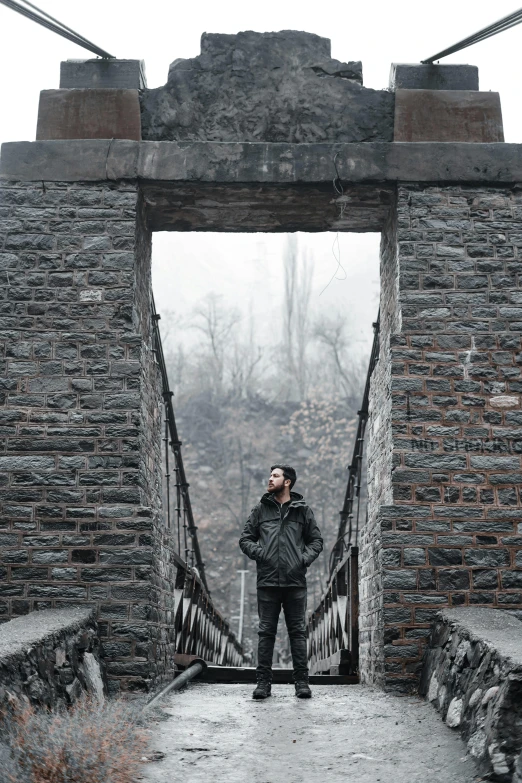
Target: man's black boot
[
  {"x": 263, "y": 690},
  {"x": 302, "y": 690}
]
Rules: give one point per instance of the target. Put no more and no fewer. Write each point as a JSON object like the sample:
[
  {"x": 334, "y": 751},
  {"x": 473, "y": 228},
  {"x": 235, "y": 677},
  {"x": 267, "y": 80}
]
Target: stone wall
[
  {"x": 472, "y": 674},
  {"x": 451, "y": 321},
  {"x": 379, "y": 460},
  {"x": 80, "y": 399},
  {"x": 51, "y": 657},
  {"x": 283, "y": 87}
]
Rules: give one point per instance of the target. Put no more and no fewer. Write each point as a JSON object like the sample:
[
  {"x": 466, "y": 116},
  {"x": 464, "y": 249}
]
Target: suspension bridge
[{"x": 95, "y": 509}]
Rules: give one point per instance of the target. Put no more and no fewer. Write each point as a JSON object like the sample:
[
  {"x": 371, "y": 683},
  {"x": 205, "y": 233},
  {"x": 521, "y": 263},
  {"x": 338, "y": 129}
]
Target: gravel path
[{"x": 344, "y": 733}]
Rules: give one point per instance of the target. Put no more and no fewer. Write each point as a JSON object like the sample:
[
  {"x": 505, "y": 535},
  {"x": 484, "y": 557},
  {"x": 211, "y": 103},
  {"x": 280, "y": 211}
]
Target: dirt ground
[{"x": 344, "y": 733}]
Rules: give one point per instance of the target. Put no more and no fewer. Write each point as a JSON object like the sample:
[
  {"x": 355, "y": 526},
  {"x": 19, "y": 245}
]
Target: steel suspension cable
[
  {"x": 46, "y": 20},
  {"x": 178, "y": 510},
  {"x": 511, "y": 20},
  {"x": 353, "y": 487}
]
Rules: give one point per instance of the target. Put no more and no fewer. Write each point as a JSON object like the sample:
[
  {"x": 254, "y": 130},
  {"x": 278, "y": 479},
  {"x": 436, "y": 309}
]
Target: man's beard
[{"x": 275, "y": 490}]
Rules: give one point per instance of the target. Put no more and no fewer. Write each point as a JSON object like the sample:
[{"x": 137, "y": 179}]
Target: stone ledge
[
  {"x": 39, "y": 627},
  {"x": 418, "y": 76},
  {"x": 51, "y": 657},
  {"x": 271, "y": 164},
  {"x": 501, "y": 631},
  {"x": 472, "y": 674}
]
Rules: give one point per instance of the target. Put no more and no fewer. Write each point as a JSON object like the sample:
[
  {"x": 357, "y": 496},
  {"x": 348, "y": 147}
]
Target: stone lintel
[
  {"x": 419, "y": 76},
  {"x": 231, "y": 162}
]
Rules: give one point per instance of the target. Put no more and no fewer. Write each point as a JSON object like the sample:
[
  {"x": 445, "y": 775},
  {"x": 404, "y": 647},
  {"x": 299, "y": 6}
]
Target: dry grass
[{"x": 87, "y": 743}]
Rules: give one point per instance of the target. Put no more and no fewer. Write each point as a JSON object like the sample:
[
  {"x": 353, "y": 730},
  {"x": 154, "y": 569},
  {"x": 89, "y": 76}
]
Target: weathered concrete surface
[
  {"x": 98, "y": 160},
  {"x": 217, "y": 733},
  {"x": 276, "y": 87},
  {"x": 98, "y": 74},
  {"x": 51, "y": 657},
  {"x": 448, "y": 115},
  {"x": 38, "y": 627},
  {"x": 89, "y": 114},
  {"x": 494, "y": 628},
  {"x": 448, "y": 76}
]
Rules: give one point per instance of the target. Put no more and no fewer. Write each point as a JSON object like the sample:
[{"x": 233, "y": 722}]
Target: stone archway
[{"x": 81, "y": 390}]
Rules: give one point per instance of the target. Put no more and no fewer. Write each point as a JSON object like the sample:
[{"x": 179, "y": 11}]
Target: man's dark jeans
[{"x": 269, "y": 603}]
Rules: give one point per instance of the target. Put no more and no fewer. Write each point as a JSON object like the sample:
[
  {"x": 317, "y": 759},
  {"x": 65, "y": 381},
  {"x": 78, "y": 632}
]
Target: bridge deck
[{"x": 215, "y": 732}]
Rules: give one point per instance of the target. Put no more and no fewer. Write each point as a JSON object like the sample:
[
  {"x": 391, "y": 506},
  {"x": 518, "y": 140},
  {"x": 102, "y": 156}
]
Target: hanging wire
[
  {"x": 185, "y": 537},
  {"x": 192, "y": 552},
  {"x": 178, "y": 510},
  {"x": 481, "y": 35},
  {"x": 336, "y": 247},
  {"x": 167, "y": 472},
  {"x": 46, "y": 20}
]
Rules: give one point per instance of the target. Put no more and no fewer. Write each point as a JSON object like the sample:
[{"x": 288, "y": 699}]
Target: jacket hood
[{"x": 295, "y": 499}]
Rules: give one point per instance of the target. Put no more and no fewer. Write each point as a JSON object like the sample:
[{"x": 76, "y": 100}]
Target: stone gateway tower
[{"x": 243, "y": 138}]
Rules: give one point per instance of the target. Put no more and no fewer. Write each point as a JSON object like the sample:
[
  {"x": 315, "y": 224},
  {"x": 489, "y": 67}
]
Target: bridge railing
[
  {"x": 179, "y": 517},
  {"x": 333, "y": 629},
  {"x": 348, "y": 533},
  {"x": 199, "y": 628},
  {"x": 333, "y": 635}
]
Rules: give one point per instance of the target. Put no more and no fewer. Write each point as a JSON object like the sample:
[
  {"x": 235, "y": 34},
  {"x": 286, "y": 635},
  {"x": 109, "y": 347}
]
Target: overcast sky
[{"x": 247, "y": 268}]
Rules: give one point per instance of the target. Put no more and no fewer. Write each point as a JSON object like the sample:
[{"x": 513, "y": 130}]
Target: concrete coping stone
[
  {"x": 36, "y": 628},
  {"x": 265, "y": 163},
  {"x": 497, "y": 628},
  {"x": 99, "y": 74},
  {"x": 422, "y": 76}
]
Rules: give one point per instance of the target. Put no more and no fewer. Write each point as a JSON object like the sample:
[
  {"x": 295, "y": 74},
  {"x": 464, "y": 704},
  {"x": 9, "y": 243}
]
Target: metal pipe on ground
[{"x": 193, "y": 670}]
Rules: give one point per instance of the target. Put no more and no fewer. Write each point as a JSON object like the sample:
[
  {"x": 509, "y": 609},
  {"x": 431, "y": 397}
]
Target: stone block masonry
[
  {"x": 80, "y": 501},
  {"x": 444, "y": 461},
  {"x": 80, "y": 417}
]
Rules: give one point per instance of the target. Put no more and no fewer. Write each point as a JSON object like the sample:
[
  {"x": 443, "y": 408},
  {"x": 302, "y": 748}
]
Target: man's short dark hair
[{"x": 288, "y": 473}]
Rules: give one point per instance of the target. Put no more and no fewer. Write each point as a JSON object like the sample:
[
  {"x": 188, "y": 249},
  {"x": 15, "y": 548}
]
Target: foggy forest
[{"x": 243, "y": 403}]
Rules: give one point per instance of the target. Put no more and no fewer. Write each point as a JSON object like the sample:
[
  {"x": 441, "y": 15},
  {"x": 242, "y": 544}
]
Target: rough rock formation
[
  {"x": 472, "y": 674},
  {"x": 274, "y": 87}
]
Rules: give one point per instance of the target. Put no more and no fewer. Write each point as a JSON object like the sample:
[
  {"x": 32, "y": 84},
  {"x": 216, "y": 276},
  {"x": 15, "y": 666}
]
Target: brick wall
[
  {"x": 445, "y": 525},
  {"x": 79, "y": 389}
]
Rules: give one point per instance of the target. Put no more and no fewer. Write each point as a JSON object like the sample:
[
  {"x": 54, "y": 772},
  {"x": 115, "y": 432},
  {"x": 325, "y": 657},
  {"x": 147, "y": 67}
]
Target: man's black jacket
[{"x": 283, "y": 543}]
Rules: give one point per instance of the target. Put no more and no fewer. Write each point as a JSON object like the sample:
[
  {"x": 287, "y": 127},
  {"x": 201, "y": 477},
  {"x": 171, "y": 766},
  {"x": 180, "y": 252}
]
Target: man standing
[{"x": 281, "y": 535}]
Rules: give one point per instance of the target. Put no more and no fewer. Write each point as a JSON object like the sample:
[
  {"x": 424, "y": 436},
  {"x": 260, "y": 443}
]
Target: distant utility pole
[{"x": 241, "y": 606}]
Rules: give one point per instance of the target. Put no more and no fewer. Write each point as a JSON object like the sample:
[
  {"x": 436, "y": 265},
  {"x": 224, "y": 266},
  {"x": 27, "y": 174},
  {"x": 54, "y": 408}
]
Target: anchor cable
[
  {"x": 481, "y": 35},
  {"x": 46, "y": 20}
]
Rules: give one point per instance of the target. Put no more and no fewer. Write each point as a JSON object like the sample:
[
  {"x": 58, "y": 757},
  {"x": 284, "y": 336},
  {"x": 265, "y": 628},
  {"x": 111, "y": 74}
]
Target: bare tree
[
  {"x": 216, "y": 323},
  {"x": 245, "y": 362},
  {"x": 296, "y": 318},
  {"x": 346, "y": 372},
  {"x": 171, "y": 325}
]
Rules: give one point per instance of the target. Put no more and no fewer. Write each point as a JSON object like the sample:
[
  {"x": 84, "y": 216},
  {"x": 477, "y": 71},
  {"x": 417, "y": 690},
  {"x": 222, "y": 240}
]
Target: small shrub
[{"x": 87, "y": 743}]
